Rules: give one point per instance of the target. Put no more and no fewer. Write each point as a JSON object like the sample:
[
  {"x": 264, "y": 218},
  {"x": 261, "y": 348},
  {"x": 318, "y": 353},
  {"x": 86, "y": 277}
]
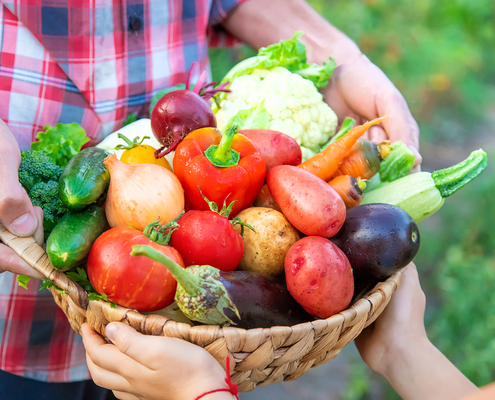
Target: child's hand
[
  {"x": 151, "y": 367},
  {"x": 400, "y": 325}
]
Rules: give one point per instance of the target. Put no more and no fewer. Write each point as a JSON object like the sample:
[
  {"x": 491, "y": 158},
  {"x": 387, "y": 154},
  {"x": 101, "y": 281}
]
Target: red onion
[{"x": 182, "y": 111}]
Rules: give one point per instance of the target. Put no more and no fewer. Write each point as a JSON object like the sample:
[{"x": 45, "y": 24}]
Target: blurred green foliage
[{"x": 440, "y": 54}]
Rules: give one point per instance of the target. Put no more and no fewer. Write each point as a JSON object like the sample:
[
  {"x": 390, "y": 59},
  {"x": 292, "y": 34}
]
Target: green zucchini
[
  {"x": 84, "y": 179},
  {"x": 70, "y": 241},
  {"x": 423, "y": 193}
]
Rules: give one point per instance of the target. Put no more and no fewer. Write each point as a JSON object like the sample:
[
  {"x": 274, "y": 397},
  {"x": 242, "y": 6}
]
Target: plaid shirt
[{"x": 94, "y": 63}]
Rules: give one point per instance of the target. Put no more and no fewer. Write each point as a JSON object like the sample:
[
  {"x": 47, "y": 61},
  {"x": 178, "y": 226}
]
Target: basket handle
[{"x": 36, "y": 257}]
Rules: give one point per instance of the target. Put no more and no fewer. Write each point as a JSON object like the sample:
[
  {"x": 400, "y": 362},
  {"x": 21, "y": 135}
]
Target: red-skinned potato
[
  {"x": 319, "y": 276},
  {"x": 277, "y": 148},
  {"x": 310, "y": 204}
]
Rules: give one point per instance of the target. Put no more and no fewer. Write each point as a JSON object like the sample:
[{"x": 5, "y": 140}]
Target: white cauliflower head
[{"x": 293, "y": 104}]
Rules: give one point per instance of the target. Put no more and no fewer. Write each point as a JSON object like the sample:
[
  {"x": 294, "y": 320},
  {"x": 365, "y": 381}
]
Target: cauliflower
[{"x": 293, "y": 104}]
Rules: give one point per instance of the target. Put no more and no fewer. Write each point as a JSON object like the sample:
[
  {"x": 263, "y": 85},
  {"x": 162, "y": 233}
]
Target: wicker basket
[{"x": 258, "y": 356}]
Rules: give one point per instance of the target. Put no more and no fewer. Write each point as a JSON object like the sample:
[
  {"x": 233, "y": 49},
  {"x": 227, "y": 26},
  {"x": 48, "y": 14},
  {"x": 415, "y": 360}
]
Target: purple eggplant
[
  {"x": 239, "y": 298},
  {"x": 379, "y": 240}
]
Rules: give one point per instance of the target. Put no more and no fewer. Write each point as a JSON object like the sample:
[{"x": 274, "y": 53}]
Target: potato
[
  {"x": 265, "y": 249},
  {"x": 319, "y": 276},
  {"x": 276, "y": 148},
  {"x": 310, "y": 204}
]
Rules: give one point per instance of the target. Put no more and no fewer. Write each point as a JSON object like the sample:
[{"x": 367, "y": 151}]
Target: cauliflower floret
[
  {"x": 289, "y": 127},
  {"x": 293, "y": 103}
]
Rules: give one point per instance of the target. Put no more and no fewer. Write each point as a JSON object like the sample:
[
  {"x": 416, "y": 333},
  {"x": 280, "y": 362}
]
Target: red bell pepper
[{"x": 218, "y": 166}]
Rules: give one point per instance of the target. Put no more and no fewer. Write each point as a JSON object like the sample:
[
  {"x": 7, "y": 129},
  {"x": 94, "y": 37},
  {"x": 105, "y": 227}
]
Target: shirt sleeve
[{"x": 217, "y": 36}]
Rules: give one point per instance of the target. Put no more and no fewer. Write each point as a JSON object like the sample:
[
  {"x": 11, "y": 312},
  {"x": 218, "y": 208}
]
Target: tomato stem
[
  {"x": 130, "y": 145},
  {"x": 190, "y": 283}
]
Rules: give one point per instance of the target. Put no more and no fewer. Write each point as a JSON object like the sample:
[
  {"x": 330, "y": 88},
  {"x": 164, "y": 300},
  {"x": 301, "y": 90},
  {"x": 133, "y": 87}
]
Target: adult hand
[
  {"x": 401, "y": 324},
  {"x": 151, "y": 367},
  {"x": 358, "y": 88},
  {"x": 17, "y": 213}
]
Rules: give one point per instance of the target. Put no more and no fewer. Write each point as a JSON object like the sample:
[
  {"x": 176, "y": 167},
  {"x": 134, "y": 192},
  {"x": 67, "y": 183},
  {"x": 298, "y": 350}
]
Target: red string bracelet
[{"x": 232, "y": 389}]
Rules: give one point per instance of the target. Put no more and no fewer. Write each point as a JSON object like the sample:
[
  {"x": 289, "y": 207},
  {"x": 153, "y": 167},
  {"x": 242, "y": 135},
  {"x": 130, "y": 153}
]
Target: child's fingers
[
  {"x": 107, "y": 379},
  {"x": 105, "y": 355}
]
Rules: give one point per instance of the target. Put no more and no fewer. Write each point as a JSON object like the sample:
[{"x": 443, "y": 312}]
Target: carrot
[
  {"x": 326, "y": 163},
  {"x": 364, "y": 158},
  {"x": 349, "y": 188}
]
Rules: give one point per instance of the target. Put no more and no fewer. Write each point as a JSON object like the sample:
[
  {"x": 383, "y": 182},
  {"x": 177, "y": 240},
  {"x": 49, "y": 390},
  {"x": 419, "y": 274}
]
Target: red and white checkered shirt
[{"x": 91, "y": 62}]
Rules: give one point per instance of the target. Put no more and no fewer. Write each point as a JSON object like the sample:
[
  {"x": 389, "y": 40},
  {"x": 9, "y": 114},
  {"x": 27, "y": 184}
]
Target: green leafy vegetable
[
  {"x": 23, "y": 280},
  {"x": 81, "y": 278},
  {"x": 40, "y": 176},
  {"x": 290, "y": 54},
  {"x": 36, "y": 167},
  {"x": 130, "y": 119},
  {"x": 254, "y": 118},
  {"x": 47, "y": 283},
  {"x": 61, "y": 142}
]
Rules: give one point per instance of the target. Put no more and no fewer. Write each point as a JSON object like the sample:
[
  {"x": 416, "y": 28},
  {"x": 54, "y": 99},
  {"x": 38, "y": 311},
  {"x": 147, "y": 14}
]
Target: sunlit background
[{"x": 441, "y": 55}]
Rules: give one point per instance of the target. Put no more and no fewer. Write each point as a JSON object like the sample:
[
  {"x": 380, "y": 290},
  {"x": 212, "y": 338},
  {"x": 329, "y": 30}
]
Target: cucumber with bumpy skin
[
  {"x": 84, "y": 179},
  {"x": 422, "y": 194},
  {"x": 71, "y": 239}
]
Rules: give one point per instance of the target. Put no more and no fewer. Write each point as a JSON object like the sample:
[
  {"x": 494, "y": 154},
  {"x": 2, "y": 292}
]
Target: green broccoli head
[
  {"x": 37, "y": 167},
  {"x": 45, "y": 195}
]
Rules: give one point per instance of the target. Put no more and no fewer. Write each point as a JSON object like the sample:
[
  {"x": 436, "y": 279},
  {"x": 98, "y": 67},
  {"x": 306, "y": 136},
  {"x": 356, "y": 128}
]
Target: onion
[
  {"x": 141, "y": 193},
  {"x": 180, "y": 112}
]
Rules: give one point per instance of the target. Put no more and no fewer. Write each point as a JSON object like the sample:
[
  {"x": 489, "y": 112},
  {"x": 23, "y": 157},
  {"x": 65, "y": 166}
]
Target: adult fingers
[
  {"x": 399, "y": 124},
  {"x": 10, "y": 261},
  {"x": 124, "y": 395},
  {"x": 39, "y": 235},
  {"x": 17, "y": 213}
]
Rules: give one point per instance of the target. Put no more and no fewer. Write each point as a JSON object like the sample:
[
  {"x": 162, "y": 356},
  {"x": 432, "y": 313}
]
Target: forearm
[
  {"x": 260, "y": 23},
  {"x": 422, "y": 372}
]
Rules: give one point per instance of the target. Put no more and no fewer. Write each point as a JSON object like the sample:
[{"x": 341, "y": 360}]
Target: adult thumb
[{"x": 17, "y": 213}]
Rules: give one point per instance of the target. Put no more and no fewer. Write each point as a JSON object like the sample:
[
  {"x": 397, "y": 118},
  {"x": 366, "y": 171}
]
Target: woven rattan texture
[{"x": 258, "y": 356}]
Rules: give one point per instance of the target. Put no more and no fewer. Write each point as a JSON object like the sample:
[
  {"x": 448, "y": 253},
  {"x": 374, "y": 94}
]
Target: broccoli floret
[
  {"x": 37, "y": 167},
  {"x": 45, "y": 195}
]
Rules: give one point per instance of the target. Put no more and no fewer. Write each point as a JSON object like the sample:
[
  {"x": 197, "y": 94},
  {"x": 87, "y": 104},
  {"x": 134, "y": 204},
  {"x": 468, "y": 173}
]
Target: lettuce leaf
[
  {"x": 290, "y": 54},
  {"x": 61, "y": 142},
  {"x": 253, "y": 118},
  {"x": 23, "y": 280}
]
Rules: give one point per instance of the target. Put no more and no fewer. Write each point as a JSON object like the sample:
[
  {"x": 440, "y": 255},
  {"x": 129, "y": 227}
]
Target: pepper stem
[
  {"x": 450, "y": 180},
  {"x": 222, "y": 155},
  {"x": 190, "y": 283}
]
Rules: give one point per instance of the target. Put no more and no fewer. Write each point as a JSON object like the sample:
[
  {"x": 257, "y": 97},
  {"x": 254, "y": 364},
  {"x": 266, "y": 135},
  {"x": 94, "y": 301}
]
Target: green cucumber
[
  {"x": 84, "y": 179},
  {"x": 422, "y": 194},
  {"x": 70, "y": 241}
]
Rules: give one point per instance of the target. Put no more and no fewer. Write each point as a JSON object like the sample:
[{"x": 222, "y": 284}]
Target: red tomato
[
  {"x": 133, "y": 282},
  {"x": 208, "y": 238}
]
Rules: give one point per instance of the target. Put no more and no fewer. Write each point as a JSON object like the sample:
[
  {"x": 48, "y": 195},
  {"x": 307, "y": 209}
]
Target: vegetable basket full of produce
[
  {"x": 258, "y": 356},
  {"x": 293, "y": 244}
]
